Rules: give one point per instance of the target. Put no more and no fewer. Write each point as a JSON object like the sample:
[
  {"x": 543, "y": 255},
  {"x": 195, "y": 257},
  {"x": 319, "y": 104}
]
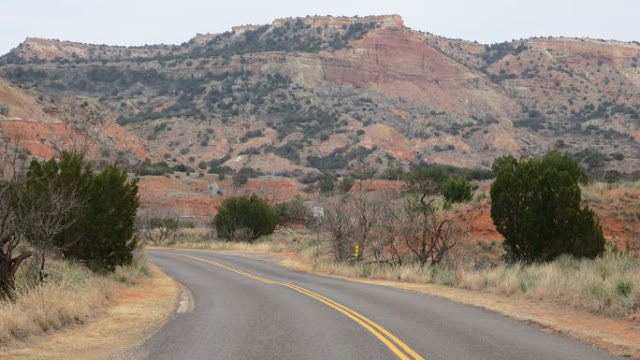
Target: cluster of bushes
[
  {"x": 251, "y": 134},
  {"x": 495, "y": 52},
  {"x": 291, "y": 36},
  {"x": 243, "y": 175},
  {"x": 595, "y": 163},
  {"x": 339, "y": 158},
  {"x": 66, "y": 207},
  {"x": 289, "y": 151},
  {"x": 240, "y": 177},
  {"x": 535, "y": 204},
  {"x": 331, "y": 184},
  {"x": 604, "y": 109},
  {"x": 313, "y": 122},
  {"x": 147, "y": 168},
  {"x": 248, "y": 217},
  {"x": 438, "y": 172}
]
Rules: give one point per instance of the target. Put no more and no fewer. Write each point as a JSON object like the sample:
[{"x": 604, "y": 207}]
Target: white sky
[{"x": 138, "y": 22}]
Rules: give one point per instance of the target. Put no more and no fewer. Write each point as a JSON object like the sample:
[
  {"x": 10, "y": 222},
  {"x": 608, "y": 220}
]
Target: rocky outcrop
[
  {"x": 398, "y": 64},
  {"x": 326, "y": 92}
]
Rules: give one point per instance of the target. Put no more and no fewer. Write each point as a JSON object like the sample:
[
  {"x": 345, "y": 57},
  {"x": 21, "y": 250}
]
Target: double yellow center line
[{"x": 399, "y": 348}]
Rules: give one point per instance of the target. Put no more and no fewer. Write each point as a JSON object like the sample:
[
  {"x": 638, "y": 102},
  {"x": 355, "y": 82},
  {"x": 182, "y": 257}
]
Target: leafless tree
[
  {"x": 366, "y": 205},
  {"x": 413, "y": 221},
  {"x": 158, "y": 227},
  {"x": 85, "y": 121},
  {"x": 11, "y": 171},
  {"x": 389, "y": 240},
  {"x": 42, "y": 213},
  {"x": 340, "y": 221},
  {"x": 270, "y": 195},
  {"x": 425, "y": 232}
]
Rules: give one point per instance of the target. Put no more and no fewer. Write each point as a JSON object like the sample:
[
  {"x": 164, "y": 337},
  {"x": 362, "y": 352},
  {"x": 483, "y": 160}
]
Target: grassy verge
[
  {"x": 70, "y": 295},
  {"x": 605, "y": 286}
]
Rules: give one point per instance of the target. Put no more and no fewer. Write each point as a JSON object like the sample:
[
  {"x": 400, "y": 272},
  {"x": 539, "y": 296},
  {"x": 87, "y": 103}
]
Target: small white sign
[
  {"x": 214, "y": 188},
  {"x": 318, "y": 211}
]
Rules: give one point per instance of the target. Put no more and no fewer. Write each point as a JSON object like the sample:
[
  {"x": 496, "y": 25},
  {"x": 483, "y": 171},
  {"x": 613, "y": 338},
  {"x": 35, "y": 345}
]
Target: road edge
[
  {"x": 131, "y": 316},
  {"x": 622, "y": 337},
  {"x": 616, "y": 336}
]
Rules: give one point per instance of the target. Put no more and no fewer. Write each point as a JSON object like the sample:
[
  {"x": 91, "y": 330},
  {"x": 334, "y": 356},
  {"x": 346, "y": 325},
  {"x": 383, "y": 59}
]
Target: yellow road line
[
  {"x": 386, "y": 337},
  {"x": 399, "y": 342},
  {"x": 348, "y": 314},
  {"x": 215, "y": 263}
]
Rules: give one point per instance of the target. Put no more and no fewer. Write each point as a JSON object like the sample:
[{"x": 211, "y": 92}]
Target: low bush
[
  {"x": 245, "y": 218},
  {"x": 457, "y": 190}
]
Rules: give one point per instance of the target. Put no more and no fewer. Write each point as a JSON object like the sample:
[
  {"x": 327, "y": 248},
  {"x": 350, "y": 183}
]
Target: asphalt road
[{"x": 248, "y": 308}]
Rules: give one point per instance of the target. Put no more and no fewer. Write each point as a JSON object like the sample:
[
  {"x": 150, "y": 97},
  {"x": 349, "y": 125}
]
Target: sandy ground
[{"x": 132, "y": 316}]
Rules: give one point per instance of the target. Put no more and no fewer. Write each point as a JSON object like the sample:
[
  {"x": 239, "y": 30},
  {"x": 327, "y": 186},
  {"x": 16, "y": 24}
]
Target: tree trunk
[
  {"x": 41, "y": 271},
  {"x": 8, "y": 268}
]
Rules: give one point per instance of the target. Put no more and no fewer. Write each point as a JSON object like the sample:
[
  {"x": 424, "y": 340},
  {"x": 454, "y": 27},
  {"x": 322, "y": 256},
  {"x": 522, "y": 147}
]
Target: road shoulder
[{"x": 131, "y": 316}]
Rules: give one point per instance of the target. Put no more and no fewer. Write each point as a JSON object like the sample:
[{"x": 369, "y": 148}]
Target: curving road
[{"x": 250, "y": 308}]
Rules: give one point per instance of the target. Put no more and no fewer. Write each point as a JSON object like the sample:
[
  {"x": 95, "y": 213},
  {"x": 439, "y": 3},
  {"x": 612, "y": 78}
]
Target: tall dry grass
[
  {"x": 295, "y": 241},
  {"x": 609, "y": 285},
  {"x": 70, "y": 295}
]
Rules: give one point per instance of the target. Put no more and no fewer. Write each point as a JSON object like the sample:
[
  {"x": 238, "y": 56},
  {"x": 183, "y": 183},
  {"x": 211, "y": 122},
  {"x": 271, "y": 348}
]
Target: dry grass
[
  {"x": 70, "y": 295},
  {"x": 609, "y": 285},
  {"x": 278, "y": 242}
]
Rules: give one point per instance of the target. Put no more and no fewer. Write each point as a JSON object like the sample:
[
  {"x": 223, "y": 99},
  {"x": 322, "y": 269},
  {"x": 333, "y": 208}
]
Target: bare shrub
[
  {"x": 158, "y": 227},
  {"x": 341, "y": 223},
  {"x": 85, "y": 121}
]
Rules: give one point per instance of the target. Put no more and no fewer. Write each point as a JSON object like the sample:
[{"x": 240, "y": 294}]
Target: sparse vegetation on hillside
[{"x": 227, "y": 82}]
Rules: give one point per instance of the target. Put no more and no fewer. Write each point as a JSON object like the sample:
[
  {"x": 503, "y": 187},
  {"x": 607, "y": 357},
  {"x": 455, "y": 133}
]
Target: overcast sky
[{"x": 138, "y": 22}]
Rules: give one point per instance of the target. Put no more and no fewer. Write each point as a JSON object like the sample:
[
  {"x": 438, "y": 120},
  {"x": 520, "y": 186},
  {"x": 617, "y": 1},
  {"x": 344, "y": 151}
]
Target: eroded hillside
[
  {"x": 320, "y": 94},
  {"x": 35, "y": 124}
]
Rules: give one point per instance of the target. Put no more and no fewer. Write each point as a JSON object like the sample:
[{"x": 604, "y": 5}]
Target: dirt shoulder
[{"x": 131, "y": 316}]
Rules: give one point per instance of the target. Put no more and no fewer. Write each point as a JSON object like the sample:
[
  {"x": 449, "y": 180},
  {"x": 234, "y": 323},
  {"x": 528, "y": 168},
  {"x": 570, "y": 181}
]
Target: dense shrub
[
  {"x": 249, "y": 215},
  {"x": 106, "y": 228},
  {"x": 457, "y": 190},
  {"x": 100, "y": 232},
  {"x": 535, "y": 205},
  {"x": 149, "y": 168},
  {"x": 327, "y": 184}
]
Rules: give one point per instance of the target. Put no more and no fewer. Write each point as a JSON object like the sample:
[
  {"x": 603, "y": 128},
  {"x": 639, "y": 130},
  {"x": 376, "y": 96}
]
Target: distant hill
[{"x": 320, "y": 94}]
